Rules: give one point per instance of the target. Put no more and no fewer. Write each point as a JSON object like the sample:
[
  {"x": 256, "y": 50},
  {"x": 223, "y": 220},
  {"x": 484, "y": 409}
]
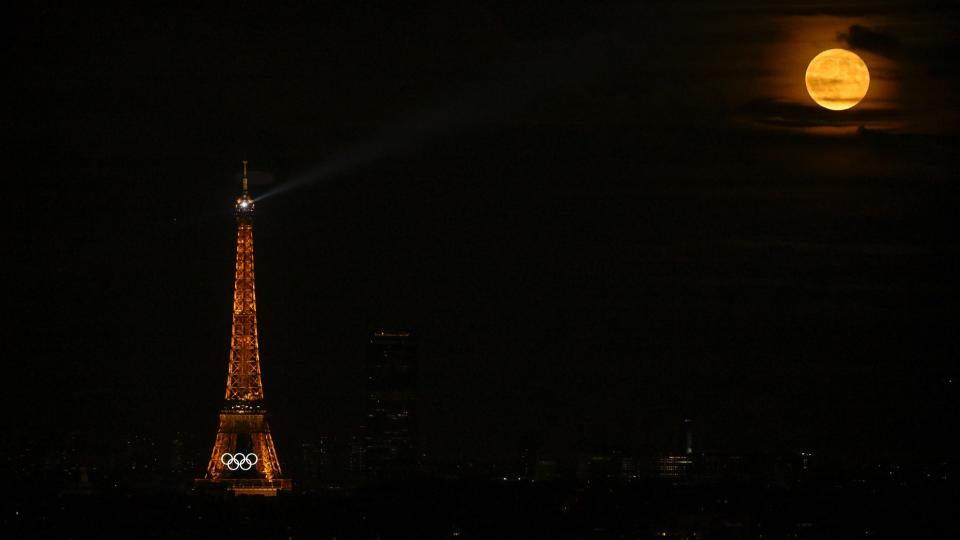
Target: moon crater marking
[{"x": 837, "y": 79}]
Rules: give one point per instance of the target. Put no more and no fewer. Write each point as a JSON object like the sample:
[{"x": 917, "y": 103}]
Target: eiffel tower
[{"x": 244, "y": 460}]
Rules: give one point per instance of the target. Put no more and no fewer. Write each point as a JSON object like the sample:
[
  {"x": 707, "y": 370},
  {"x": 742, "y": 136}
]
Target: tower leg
[{"x": 225, "y": 442}]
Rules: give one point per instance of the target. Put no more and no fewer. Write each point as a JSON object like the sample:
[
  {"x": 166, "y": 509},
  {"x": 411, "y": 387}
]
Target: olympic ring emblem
[{"x": 239, "y": 461}]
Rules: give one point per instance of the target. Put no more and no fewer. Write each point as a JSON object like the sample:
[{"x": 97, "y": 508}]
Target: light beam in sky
[{"x": 498, "y": 95}]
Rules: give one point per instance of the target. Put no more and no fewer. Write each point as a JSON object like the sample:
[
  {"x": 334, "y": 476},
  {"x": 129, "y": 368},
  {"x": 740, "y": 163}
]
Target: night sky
[{"x": 599, "y": 220}]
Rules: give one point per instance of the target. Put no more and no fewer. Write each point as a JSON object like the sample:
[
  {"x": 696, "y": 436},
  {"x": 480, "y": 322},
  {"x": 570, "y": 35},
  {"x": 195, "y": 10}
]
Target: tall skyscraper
[
  {"x": 315, "y": 464},
  {"x": 390, "y": 426},
  {"x": 688, "y": 428},
  {"x": 243, "y": 458}
]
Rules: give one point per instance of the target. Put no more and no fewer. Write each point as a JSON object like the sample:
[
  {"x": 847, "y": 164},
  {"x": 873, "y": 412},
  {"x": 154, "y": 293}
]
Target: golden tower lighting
[{"x": 244, "y": 459}]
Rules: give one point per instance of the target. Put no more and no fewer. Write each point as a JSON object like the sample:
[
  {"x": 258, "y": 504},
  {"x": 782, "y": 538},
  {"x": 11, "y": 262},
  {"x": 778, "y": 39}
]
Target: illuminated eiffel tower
[{"x": 244, "y": 459}]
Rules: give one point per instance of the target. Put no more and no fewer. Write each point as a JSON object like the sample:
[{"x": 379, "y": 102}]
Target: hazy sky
[{"x": 599, "y": 219}]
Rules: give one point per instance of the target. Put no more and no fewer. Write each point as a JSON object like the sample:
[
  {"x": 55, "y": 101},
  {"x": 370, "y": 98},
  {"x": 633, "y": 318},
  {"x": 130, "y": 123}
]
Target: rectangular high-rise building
[{"x": 390, "y": 427}]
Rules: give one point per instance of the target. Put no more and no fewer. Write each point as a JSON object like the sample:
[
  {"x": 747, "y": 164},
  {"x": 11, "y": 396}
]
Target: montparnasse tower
[{"x": 244, "y": 459}]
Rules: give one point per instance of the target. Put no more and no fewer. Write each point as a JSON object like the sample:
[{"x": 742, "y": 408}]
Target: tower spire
[{"x": 244, "y": 203}]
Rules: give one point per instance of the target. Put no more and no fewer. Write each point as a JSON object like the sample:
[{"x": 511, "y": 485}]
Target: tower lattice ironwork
[{"x": 243, "y": 419}]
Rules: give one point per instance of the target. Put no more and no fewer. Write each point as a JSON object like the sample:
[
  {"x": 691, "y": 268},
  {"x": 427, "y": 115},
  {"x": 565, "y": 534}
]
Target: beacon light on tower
[{"x": 244, "y": 203}]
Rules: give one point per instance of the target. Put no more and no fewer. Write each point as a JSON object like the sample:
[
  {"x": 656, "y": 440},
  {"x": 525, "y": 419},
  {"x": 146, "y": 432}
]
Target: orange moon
[{"x": 837, "y": 79}]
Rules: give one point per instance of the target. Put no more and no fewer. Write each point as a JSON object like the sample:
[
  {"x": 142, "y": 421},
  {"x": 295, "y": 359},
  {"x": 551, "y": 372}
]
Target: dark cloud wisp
[{"x": 876, "y": 41}]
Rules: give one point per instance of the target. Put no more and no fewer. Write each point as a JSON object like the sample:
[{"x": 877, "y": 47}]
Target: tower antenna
[{"x": 244, "y": 181}]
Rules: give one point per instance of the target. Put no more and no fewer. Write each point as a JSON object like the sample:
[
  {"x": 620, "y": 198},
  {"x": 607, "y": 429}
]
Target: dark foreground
[{"x": 486, "y": 509}]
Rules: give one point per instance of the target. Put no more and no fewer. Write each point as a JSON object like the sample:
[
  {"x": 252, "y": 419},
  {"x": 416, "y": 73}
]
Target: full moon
[{"x": 837, "y": 79}]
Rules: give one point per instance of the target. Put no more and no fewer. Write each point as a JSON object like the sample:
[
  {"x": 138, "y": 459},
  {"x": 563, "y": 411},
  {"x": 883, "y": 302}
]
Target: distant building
[
  {"x": 527, "y": 463},
  {"x": 628, "y": 468},
  {"x": 545, "y": 470},
  {"x": 315, "y": 461},
  {"x": 677, "y": 469},
  {"x": 591, "y": 467},
  {"x": 688, "y": 428},
  {"x": 176, "y": 454},
  {"x": 390, "y": 427}
]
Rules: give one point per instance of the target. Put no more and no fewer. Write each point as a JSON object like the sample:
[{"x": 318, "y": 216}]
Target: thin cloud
[
  {"x": 779, "y": 113},
  {"x": 876, "y": 41}
]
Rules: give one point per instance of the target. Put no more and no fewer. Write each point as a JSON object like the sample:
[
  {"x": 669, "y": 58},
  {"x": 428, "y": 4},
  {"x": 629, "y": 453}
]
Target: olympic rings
[{"x": 239, "y": 461}]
